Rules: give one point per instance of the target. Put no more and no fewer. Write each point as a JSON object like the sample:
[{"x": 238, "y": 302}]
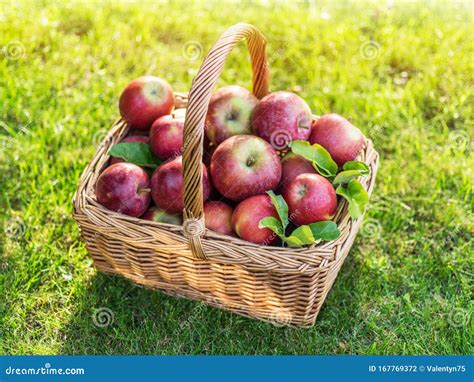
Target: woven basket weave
[{"x": 276, "y": 284}]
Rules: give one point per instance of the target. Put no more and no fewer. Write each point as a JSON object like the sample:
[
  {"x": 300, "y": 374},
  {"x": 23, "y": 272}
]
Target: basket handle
[{"x": 193, "y": 135}]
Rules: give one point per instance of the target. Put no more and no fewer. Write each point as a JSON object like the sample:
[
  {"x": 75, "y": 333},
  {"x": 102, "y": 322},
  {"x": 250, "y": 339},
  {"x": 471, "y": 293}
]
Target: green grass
[{"x": 406, "y": 287}]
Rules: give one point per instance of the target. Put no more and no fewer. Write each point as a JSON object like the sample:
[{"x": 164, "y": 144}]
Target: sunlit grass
[{"x": 402, "y": 73}]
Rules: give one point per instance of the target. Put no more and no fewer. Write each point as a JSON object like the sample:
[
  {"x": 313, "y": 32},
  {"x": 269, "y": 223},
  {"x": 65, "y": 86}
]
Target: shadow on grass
[{"x": 114, "y": 316}]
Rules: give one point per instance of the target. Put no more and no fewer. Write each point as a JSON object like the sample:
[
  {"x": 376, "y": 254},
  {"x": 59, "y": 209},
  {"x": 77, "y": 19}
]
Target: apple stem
[{"x": 146, "y": 189}]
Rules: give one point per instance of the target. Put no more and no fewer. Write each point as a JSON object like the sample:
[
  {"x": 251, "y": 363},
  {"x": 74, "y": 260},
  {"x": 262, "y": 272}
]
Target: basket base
[{"x": 270, "y": 313}]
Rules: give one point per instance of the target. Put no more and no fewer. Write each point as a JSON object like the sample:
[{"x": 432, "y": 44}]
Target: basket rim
[{"x": 218, "y": 247}]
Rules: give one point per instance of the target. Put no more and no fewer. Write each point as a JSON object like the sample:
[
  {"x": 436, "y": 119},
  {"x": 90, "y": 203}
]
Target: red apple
[
  {"x": 310, "y": 198},
  {"x": 159, "y": 215},
  {"x": 229, "y": 113},
  {"x": 245, "y": 165},
  {"x": 218, "y": 217},
  {"x": 167, "y": 186},
  {"x": 338, "y": 136},
  {"x": 293, "y": 165},
  {"x": 124, "y": 188},
  {"x": 129, "y": 139},
  {"x": 247, "y": 216},
  {"x": 144, "y": 100},
  {"x": 282, "y": 117},
  {"x": 166, "y": 137}
]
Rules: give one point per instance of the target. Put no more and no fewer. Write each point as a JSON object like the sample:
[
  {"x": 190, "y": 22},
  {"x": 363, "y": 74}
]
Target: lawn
[{"x": 402, "y": 72}]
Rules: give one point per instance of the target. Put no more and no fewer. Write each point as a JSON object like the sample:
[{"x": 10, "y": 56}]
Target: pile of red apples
[{"x": 246, "y": 155}]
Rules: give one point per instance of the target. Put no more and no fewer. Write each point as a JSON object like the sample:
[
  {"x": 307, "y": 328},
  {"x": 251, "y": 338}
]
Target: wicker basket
[{"x": 280, "y": 285}]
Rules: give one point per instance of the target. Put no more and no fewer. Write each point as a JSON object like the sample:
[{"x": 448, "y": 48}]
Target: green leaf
[
  {"x": 135, "y": 152},
  {"x": 356, "y": 195},
  {"x": 293, "y": 241},
  {"x": 301, "y": 236},
  {"x": 325, "y": 230},
  {"x": 272, "y": 223},
  {"x": 352, "y": 170},
  {"x": 281, "y": 207},
  {"x": 317, "y": 154},
  {"x": 346, "y": 176},
  {"x": 356, "y": 165}
]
